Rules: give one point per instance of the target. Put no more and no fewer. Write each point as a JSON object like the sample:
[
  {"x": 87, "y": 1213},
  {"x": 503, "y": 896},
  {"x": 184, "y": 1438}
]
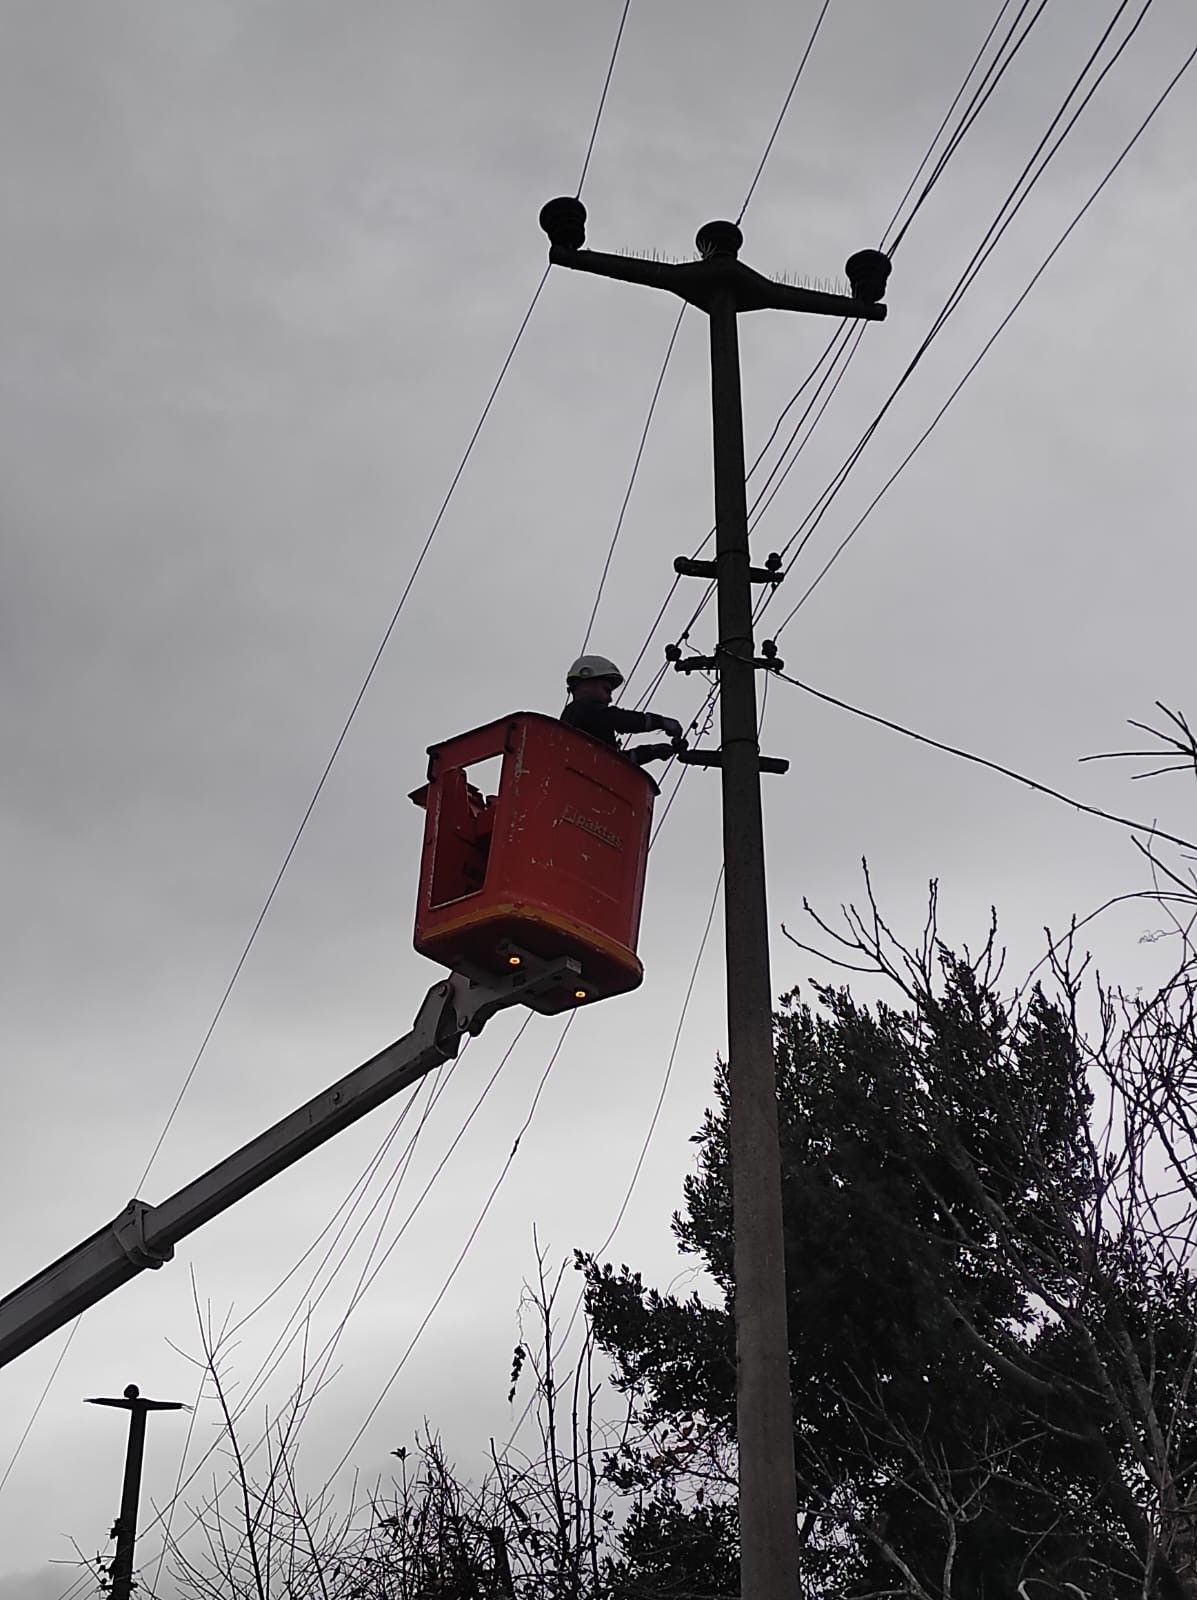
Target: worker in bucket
[{"x": 591, "y": 682}]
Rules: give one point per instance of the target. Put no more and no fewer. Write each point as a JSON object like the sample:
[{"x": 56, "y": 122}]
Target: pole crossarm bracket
[
  {"x": 768, "y": 662},
  {"x": 714, "y": 758},
  {"x": 716, "y": 272},
  {"x": 688, "y": 567}
]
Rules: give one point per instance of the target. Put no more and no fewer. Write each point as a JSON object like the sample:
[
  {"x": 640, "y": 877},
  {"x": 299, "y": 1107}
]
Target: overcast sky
[{"x": 261, "y": 264}]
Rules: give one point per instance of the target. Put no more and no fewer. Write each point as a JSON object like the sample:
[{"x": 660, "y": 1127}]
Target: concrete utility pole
[
  {"x": 722, "y": 286},
  {"x": 120, "y": 1573}
]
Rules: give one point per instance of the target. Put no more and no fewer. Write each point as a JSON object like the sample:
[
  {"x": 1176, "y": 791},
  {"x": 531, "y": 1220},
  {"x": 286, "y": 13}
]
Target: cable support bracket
[
  {"x": 129, "y": 1231},
  {"x": 689, "y": 567},
  {"x": 767, "y": 661},
  {"x": 714, "y": 758}
]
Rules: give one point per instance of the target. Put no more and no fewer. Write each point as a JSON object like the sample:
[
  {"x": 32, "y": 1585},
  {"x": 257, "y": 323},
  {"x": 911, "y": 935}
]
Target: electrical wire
[
  {"x": 623, "y": 510},
  {"x": 669, "y": 1065},
  {"x": 976, "y": 106},
  {"x": 41, "y": 1400},
  {"x": 1051, "y": 255},
  {"x": 306, "y": 1305},
  {"x": 473, "y": 1234},
  {"x": 348, "y": 723},
  {"x": 598, "y": 115},
  {"x": 778, "y": 477},
  {"x": 669, "y": 353},
  {"x": 762, "y": 496},
  {"x": 78, "y": 1586},
  {"x": 261, "y": 917},
  {"x": 974, "y": 109},
  {"x": 437, "y": 520},
  {"x": 256, "y": 1385},
  {"x": 349, "y": 720},
  {"x": 993, "y": 766},
  {"x": 756, "y": 178},
  {"x": 998, "y": 67},
  {"x": 997, "y": 228},
  {"x": 983, "y": 93},
  {"x": 760, "y": 456},
  {"x": 1002, "y": 58},
  {"x": 325, "y": 1354},
  {"x": 785, "y": 106},
  {"x": 947, "y": 116}
]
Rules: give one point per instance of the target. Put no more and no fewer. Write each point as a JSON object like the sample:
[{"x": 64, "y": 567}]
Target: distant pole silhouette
[
  {"x": 719, "y": 284},
  {"x": 125, "y": 1529}
]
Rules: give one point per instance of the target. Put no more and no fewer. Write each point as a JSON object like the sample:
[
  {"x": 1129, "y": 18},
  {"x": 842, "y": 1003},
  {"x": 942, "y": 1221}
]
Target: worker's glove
[
  {"x": 643, "y": 753},
  {"x": 669, "y": 726}
]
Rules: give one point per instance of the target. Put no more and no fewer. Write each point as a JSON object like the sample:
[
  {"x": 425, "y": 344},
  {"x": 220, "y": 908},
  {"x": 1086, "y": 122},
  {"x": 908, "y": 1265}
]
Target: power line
[
  {"x": 760, "y": 456},
  {"x": 677, "y": 1035},
  {"x": 598, "y": 115},
  {"x": 41, "y": 1400},
  {"x": 75, "y": 1589},
  {"x": 807, "y": 527},
  {"x": 669, "y": 1065},
  {"x": 330, "y": 1343},
  {"x": 993, "y": 766},
  {"x": 976, "y": 105},
  {"x": 353, "y": 710},
  {"x": 763, "y": 501},
  {"x": 305, "y": 1306},
  {"x": 974, "y": 108},
  {"x": 785, "y": 106},
  {"x": 634, "y": 473},
  {"x": 1051, "y": 255},
  {"x": 437, "y": 520},
  {"x": 669, "y": 353},
  {"x": 373, "y": 666},
  {"x": 993, "y": 75},
  {"x": 673, "y": 1049},
  {"x": 461, "y": 1257},
  {"x": 352, "y": 713},
  {"x": 947, "y": 116}
]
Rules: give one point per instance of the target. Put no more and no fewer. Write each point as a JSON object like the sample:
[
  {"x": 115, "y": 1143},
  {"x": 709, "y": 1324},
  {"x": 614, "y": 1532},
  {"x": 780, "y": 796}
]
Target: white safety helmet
[{"x": 591, "y": 667}]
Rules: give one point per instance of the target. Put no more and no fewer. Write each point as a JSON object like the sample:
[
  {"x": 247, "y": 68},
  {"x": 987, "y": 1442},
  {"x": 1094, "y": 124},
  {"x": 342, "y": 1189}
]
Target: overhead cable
[
  {"x": 1145, "y": 828},
  {"x": 1042, "y": 268}
]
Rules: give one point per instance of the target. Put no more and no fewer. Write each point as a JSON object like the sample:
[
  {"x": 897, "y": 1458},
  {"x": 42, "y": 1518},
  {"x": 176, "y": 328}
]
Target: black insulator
[
  {"x": 718, "y": 238},
  {"x": 867, "y": 272},
  {"x": 564, "y": 220}
]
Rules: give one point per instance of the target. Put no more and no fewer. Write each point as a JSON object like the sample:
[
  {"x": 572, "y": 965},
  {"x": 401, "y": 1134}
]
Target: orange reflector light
[
  {"x": 515, "y": 961},
  {"x": 579, "y": 994}
]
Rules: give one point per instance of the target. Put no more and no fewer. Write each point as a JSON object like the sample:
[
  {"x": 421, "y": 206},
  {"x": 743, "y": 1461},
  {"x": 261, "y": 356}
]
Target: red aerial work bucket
[{"x": 553, "y": 864}]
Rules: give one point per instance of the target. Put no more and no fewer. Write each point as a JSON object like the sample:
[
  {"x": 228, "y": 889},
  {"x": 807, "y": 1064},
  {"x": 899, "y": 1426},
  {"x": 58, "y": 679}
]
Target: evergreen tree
[{"x": 993, "y": 1328}]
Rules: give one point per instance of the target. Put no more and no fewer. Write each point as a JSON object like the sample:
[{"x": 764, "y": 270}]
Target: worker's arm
[{"x": 605, "y": 721}]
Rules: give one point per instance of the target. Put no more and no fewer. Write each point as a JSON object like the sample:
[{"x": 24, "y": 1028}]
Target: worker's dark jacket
[{"x": 605, "y": 722}]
